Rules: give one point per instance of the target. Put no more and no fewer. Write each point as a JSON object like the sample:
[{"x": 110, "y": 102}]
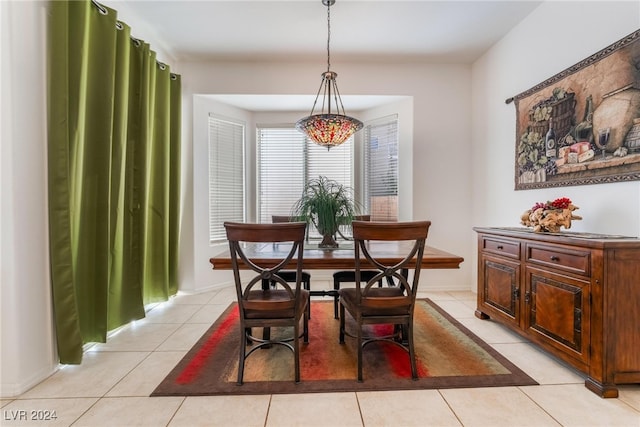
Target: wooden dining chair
[
  {"x": 279, "y": 306},
  {"x": 370, "y": 304},
  {"x": 349, "y": 276}
]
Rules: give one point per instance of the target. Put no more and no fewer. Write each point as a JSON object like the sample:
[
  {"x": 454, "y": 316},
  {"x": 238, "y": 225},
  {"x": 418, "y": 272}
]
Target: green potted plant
[{"x": 326, "y": 204}]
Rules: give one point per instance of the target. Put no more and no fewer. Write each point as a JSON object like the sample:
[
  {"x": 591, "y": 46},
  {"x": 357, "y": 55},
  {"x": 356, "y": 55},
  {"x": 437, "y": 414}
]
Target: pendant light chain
[{"x": 328, "y": 36}]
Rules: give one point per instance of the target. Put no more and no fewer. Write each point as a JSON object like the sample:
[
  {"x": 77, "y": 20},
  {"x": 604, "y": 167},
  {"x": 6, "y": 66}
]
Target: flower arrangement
[{"x": 550, "y": 216}]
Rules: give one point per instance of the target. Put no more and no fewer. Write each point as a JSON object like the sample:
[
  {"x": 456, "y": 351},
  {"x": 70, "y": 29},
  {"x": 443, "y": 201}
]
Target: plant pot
[{"x": 328, "y": 242}]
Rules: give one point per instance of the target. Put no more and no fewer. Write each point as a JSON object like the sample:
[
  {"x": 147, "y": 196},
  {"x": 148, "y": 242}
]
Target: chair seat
[
  {"x": 272, "y": 296},
  {"x": 349, "y": 298},
  {"x": 349, "y": 276}
]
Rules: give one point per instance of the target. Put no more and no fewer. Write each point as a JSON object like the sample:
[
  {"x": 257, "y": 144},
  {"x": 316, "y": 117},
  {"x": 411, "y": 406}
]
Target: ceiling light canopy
[{"x": 329, "y": 128}]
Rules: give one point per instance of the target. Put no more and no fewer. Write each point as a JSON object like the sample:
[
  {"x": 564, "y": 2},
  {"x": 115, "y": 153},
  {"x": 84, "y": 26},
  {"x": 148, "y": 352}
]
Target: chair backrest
[
  {"x": 282, "y": 218},
  {"x": 288, "y": 232},
  {"x": 277, "y": 219},
  {"x": 365, "y": 232},
  {"x": 345, "y": 226}
]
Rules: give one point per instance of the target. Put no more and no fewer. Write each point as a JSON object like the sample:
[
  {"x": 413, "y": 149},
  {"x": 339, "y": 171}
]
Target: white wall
[
  {"x": 440, "y": 162},
  {"x": 552, "y": 38},
  {"x": 26, "y": 335}
]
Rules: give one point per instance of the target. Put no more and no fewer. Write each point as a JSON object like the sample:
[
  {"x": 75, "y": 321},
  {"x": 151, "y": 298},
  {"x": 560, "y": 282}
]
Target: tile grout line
[
  {"x": 184, "y": 399},
  {"x": 360, "y": 409},
  {"x": 538, "y": 405},
  {"x": 449, "y": 406}
]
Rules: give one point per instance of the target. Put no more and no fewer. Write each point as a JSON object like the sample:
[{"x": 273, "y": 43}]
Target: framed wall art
[{"x": 582, "y": 126}]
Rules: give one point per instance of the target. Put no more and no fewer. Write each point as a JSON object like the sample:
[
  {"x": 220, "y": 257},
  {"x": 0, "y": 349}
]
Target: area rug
[{"x": 448, "y": 356}]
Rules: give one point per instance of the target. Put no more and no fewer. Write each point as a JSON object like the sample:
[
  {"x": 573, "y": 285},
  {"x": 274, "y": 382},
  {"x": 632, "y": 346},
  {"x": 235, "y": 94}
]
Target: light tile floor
[{"x": 112, "y": 385}]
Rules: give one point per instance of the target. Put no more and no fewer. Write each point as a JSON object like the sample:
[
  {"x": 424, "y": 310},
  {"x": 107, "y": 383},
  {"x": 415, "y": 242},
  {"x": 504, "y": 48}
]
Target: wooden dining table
[{"x": 342, "y": 258}]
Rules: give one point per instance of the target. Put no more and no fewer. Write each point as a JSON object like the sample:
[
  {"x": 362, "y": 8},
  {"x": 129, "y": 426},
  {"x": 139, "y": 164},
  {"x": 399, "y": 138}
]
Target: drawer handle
[
  {"x": 554, "y": 258},
  {"x": 500, "y": 247}
]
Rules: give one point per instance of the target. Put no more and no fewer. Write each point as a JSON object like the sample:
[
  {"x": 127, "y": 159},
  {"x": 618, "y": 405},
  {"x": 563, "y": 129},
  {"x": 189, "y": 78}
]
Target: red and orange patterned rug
[{"x": 448, "y": 356}]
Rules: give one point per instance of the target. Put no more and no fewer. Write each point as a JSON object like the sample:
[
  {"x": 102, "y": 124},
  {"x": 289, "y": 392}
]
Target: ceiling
[
  {"x": 449, "y": 31},
  {"x": 425, "y": 30}
]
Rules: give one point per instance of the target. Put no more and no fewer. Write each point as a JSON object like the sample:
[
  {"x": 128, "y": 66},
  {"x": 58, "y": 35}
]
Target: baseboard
[
  {"x": 9, "y": 390},
  {"x": 215, "y": 287},
  {"x": 446, "y": 288}
]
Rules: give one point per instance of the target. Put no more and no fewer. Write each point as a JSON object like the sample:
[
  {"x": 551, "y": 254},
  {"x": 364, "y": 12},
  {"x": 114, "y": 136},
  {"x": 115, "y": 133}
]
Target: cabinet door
[
  {"x": 500, "y": 288},
  {"x": 558, "y": 313}
]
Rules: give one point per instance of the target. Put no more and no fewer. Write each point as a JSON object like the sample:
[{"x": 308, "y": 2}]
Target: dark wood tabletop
[{"x": 338, "y": 259}]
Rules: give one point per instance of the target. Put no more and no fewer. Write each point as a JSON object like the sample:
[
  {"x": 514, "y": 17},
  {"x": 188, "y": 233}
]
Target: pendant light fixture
[{"x": 333, "y": 127}]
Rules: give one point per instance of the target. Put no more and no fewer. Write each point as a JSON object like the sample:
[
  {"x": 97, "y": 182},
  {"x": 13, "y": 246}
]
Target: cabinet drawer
[
  {"x": 563, "y": 259},
  {"x": 507, "y": 248}
]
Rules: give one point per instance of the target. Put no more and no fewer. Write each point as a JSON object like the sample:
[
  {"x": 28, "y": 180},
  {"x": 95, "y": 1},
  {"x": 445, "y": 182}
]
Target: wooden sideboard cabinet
[{"x": 577, "y": 295}]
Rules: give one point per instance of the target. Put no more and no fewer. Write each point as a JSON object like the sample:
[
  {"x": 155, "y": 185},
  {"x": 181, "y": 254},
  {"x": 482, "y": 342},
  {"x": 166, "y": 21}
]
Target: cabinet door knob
[
  {"x": 500, "y": 247},
  {"x": 554, "y": 258}
]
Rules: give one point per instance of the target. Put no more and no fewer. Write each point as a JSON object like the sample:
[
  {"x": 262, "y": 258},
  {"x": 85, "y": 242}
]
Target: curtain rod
[
  {"x": 120, "y": 26},
  {"x": 103, "y": 10}
]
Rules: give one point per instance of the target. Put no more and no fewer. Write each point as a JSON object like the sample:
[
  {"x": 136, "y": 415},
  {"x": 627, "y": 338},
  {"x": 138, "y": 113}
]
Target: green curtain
[{"x": 113, "y": 158}]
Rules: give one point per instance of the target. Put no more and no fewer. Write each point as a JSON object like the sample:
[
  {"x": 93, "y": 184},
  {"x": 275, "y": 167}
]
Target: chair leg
[
  {"x": 405, "y": 334},
  {"x": 305, "y": 329},
  {"x": 242, "y": 352},
  {"x": 341, "y": 324},
  {"x": 412, "y": 353},
  {"x": 359, "y": 333},
  {"x": 307, "y": 286},
  {"x": 400, "y": 332},
  {"x": 336, "y": 297},
  {"x": 296, "y": 350}
]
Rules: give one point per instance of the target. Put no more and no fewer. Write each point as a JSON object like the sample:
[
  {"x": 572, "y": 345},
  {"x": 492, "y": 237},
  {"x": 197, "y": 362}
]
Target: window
[
  {"x": 380, "y": 163},
  {"x": 286, "y": 160},
  {"x": 226, "y": 175},
  {"x": 281, "y": 166}
]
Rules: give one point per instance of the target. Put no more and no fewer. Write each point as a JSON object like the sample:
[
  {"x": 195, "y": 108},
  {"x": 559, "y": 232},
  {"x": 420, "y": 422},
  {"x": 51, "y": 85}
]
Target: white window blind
[
  {"x": 281, "y": 165},
  {"x": 335, "y": 164},
  {"x": 381, "y": 169},
  {"x": 286, "y": 160},
  {"x": 226, "y": 175}
]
